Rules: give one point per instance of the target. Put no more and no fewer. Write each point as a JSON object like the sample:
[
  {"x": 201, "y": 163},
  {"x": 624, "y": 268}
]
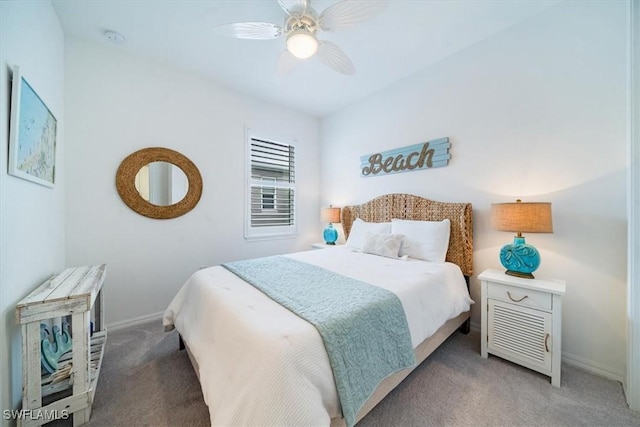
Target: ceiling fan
[{"x": 301, "y": 26}]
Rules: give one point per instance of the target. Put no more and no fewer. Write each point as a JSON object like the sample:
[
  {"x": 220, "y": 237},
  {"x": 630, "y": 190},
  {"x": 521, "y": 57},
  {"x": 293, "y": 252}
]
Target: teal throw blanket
[{"x": 363, "y": 327}]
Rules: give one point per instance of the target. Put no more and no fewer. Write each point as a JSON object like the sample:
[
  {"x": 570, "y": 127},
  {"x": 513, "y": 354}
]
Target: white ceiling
[{"x": 407, "y": 36}]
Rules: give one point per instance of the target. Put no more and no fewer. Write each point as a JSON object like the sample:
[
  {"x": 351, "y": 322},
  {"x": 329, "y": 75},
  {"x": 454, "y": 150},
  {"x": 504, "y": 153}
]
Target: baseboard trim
[
  {"x": 135, "y": 321},
  {"x": 594, "y": 368}
]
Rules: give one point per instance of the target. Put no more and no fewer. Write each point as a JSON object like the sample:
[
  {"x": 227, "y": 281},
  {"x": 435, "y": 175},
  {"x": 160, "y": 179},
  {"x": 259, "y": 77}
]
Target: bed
[{"x": 260, "y": 364}]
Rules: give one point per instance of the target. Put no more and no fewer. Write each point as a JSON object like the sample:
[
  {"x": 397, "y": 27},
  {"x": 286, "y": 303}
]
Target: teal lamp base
[
  {"x": 330, "y": 235},
  {"x": 519, "y": 258}
]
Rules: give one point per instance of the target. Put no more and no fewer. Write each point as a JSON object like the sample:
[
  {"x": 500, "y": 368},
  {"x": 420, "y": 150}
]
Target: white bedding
[{"x": 260, "y": 364}]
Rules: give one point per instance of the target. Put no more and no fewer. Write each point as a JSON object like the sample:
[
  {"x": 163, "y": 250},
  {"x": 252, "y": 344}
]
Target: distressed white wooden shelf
[{"x": 74, "y": 292}]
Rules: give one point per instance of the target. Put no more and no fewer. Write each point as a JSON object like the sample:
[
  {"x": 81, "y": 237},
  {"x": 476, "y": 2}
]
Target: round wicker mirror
[{"x": 133, "y": 163}]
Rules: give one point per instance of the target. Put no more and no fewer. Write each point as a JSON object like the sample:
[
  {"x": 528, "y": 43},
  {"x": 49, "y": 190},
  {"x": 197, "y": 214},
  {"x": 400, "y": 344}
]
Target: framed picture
[{"x": 32, "y": 134}]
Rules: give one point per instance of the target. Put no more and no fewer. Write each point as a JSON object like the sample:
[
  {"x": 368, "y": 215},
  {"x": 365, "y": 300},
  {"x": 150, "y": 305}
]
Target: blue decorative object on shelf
[
  {"x": 54, "y": 346},
  {"x": 331, "y": 215},
  {"x": 330, "y": 235},
  {"x": 519, "y": 258}
]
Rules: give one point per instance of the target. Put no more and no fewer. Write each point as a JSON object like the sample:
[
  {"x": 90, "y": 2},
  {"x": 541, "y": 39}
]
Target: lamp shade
[
  {"x": 519, "y": 258},
  {"x": 330, "y": 215},
  {"x": 522, "y": 217}
]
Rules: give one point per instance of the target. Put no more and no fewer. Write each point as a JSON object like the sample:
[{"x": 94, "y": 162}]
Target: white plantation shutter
[{"x": 272, "y": 188}]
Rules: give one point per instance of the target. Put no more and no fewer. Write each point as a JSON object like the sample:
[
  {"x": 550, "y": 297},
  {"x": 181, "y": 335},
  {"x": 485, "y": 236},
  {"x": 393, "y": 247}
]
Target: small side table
[
  {"x": 522, "y": 321},
  {"x": 75, "y": 292},
  {"x": 322, "y": 245}
]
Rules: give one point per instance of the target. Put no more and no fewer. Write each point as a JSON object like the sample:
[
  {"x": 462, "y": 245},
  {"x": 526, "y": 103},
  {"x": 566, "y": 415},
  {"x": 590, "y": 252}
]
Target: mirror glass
[{"x": 161, "y": 183}]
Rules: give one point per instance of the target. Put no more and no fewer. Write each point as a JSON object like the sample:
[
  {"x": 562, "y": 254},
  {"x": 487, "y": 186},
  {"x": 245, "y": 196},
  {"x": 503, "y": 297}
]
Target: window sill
[{"x": 265, "y": 237}]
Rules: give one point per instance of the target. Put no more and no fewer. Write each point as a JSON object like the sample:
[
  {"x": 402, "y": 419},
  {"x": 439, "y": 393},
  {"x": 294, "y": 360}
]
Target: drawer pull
[
  {"x": 516, "y": 300},
  {"x": 546, "y": 342}
]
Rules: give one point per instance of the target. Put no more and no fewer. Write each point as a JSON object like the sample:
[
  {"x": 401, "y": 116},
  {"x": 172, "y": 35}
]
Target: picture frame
[{"x": 32, "y": 134}]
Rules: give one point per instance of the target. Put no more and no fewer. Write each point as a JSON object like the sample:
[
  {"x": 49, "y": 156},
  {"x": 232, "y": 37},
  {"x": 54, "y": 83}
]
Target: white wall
[
  {"x": 31, "y": 215},
  {"x": 633, "y": 293},
  {"x": 536, "y": 112},
  {"x": 117, "y": 104}
]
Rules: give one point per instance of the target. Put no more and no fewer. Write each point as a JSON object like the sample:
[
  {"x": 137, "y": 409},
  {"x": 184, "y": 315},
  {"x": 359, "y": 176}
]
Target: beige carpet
[{"x": 146, "y": 381}]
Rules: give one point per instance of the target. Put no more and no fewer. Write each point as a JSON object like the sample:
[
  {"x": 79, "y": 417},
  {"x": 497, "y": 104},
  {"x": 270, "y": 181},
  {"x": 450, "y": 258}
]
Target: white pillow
[
  {"x": 359, "y": 231},
  {"x": 385, "y": 244},
  {"x": 427, "y": 240}
]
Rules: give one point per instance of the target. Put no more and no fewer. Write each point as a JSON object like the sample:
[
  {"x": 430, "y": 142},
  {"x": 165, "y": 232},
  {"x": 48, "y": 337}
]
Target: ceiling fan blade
[
  {"x": 348, "y": 13},
  {"x": 333, "y": 57},
  {"x": 250, "y": 30},
  {"x": 294, "y": 8}
]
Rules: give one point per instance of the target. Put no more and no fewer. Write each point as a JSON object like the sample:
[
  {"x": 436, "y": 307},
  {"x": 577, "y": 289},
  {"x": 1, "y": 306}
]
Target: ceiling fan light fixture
[{"x": 302, "y": 44}]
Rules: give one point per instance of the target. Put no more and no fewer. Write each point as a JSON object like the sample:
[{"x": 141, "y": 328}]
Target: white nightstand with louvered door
[{"x": 522, "y": 321}]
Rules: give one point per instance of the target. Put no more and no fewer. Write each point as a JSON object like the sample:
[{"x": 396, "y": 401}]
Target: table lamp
[
  {"x": 330, "y": 215},
  {"x": 519, "y": 258}
]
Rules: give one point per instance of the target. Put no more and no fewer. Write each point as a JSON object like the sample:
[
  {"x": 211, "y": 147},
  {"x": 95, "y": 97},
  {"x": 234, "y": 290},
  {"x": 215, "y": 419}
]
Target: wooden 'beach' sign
[{"x": 426, "y": 155}]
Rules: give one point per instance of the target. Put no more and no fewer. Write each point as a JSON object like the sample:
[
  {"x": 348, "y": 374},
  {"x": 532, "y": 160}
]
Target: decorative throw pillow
[
  {"x": 360, "y": 229},
  {"x": 427, "y": 240},
  {"x": 385, "y": 244}
]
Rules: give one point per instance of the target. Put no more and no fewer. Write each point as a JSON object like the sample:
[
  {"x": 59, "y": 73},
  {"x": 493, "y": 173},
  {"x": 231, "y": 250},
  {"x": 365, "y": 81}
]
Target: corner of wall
[{"x": 32, "y": 216}]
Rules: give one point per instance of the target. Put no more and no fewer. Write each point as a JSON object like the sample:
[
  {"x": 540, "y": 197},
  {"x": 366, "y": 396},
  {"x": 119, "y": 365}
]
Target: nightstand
[
  {"x": 322, "y": 245},
  {"x": 522, "y": 321}
]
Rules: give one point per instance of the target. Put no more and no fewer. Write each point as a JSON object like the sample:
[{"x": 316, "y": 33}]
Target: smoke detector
[{"x": 114, "y": 37}]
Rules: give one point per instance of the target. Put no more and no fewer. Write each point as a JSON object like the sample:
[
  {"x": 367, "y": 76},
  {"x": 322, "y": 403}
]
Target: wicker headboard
[{"x": 406, "y": 206}]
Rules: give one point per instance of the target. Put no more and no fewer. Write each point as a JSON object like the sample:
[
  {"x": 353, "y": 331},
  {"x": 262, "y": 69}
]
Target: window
[{"x": 271, "y": 188}]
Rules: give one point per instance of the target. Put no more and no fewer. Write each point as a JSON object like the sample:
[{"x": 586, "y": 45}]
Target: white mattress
[{"x": 260, "y": 364}]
